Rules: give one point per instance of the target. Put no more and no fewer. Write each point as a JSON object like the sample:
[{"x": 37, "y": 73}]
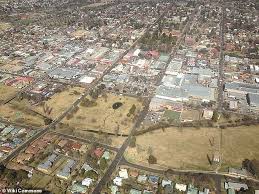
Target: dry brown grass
[
  {"x": 103, "y": 117},
  {"x": 7, "y": 92},
  {"x": 240, "y": 143},
  {"x": 60, "y": 102},
  {"x": 188, "y": 148},
  {"x": 18, "y": 111}
]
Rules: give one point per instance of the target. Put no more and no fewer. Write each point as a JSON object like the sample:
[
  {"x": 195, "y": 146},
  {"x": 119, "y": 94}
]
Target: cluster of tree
[
  {"x": 94, "y": 93},
  {"x": 215, "y": 116},
  {"x": 132, "y": 142},
  {"x": 152, "y": 159},
  {"x": 103, "y": 164},
  {"x": 72, "y": 112},
  {"x": 132, "y": 110},
  {"x": 91, "y": 174},
  {"x": 88, "y": 103},
  {"x": 161, "y": 41},
  {"x": 251, "y": 166},
  {"x": 47, "y": 121},
  {"x": 13, "y": 176}
]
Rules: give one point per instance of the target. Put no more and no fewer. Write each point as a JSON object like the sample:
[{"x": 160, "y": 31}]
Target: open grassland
[
  {"x": 102, "y": 117},
  {"x": 19, "y": 111},
  {"x": 238, "y": 144},
  {"x": 23, "y": 112},
  {"x": 176, "y": 148},
  {"x": 188, "y": 148},
  {"x": 6, "y": 92}
]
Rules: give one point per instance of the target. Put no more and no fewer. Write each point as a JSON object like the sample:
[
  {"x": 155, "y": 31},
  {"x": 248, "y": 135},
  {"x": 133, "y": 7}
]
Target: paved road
[
  {"x": 216, "y": 176},
  {"x": 221, "y": 63},
  {"x": 119, "y": 156}
]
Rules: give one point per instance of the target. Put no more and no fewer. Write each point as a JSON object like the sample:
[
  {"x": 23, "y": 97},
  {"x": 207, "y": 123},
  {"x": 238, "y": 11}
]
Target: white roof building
[
  {"x": 235, "y": 186},
  {"x": 180, "y": 187},
  {"x": 142, "y": 178},
  {"x": 123, "y": 173},
  {"x": 136, "y": 52},
  {"x": 86, "y": 79},
  {"x": 114, "y": 189},
  {"x": 87, "y": 182},
  {"x": 207, "y": 114},
  {"x": 166, "y": 182},
  {"x": 117, "y": 181}
]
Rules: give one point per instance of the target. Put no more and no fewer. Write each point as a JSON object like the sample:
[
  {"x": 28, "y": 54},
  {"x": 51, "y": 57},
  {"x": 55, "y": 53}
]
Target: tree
[
  {"x": 117, "y": 130},
  {"x": 76, "y": 92},
  {"x": 11, "y": 175},
  {"x": 82, "y": 172},
  {"x": 105, "y": 96},
  {"x": 152, "y": 159},
  {"x": 132, "y": 109},
  {"x": 91, "y": 174},
  {"x": 103, "y": 164},
  {"x": 226, "y": 115},
  {"x": 251, "y": 166},
  {"x": 47, "y": 121},
  {"x": 2, "y": 168},
  {"x": 94, "y": 93},
  {"x": 21, "y": 175},
  {"x": 69, "y": 116},
  {"x": 215, "y": 116},
  {"x": 168, "y": 173},
  {"x": 132, "y": 142}
]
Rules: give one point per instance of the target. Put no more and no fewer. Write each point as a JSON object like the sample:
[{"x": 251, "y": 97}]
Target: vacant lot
[
  {"x": 102, "y": 116},
  {"x": 238, "y": 144},
  {"x": 60, "y": 102},
  {"x": 6, "y": 92},
  {"x": 11, "y": 66},
  {"x": 80, "y": 33},
  {"x": 19, "y": 112},
  {"x": 4, "y": 26},
  {"x": 188, "y": 148},
  {"x": 179, "y": 148}
]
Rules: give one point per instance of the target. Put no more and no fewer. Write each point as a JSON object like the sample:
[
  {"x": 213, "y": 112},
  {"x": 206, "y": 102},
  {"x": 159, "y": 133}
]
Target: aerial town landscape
[{"x": 129, "y": 96}]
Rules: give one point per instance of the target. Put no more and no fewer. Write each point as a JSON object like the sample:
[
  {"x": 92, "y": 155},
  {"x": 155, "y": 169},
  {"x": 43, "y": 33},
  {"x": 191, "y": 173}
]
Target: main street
[
  {"x": 221, "y": 62},
  {"x": 142, "y": 115}
]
